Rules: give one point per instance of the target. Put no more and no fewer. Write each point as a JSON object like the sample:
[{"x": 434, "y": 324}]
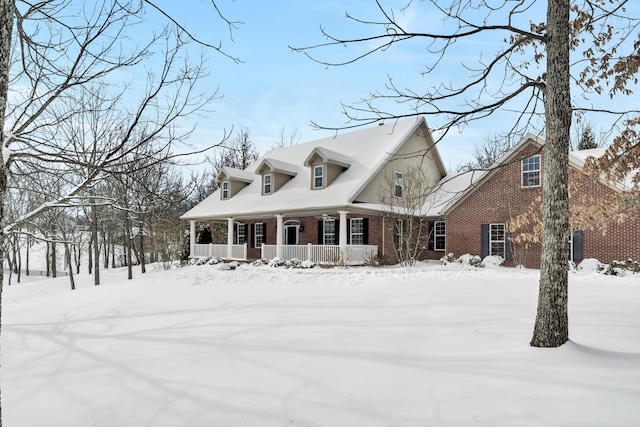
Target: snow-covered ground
[{"x": 259, "y": 346}]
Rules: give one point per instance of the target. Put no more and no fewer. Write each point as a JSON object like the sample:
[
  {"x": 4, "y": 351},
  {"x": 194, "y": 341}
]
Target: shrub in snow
[
  {"x": 447, "y": 259},
  {"x": 472, "y": 260},
  {"x": 307, "y": 264},
  {"x": 276, "y": 262},
  {"x": 260, "y": 262},
  {"x": 492, "y": 261},
  {"x": 293, "y": 263},
  {"x": 214, "y": 261},
  {"x": 621, "y": 268},
  {"x": 590, "y": 264}
]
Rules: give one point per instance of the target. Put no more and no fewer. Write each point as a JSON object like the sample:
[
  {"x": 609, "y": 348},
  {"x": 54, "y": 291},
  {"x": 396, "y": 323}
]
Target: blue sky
[{"x": 276, "y": 88}]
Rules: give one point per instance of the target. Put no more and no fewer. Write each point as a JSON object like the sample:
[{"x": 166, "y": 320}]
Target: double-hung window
[
  {"x": 357, "y": 231},
  {"x": 318, "y": 176},
  {"x": 397, "y": 184},
  {"x": 258, "y": 234},
  {"x": 439, "y": 235},
  {"x": 531, "y": 171},
  {"x": 497, "y": 239},
  {"x": 267, "y": 184},
  {"x": 225, "y": 189},
  {"x": 241, "y": 234},
  {"x": 329, "y": 232}
]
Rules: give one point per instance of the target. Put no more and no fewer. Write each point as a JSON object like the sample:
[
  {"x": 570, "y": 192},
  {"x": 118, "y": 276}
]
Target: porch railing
[
  {"x": 238, "y": 252},
  {"x": 326, "y": 254}
]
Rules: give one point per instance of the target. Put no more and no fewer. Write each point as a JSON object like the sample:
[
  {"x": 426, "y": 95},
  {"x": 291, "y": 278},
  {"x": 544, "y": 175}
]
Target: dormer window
[
  {"x": 318, "y": 176},
  {"x": 397, "y": 185},
  {"x": 267, "y": 184},
  {"x": 225, "y": 190}
]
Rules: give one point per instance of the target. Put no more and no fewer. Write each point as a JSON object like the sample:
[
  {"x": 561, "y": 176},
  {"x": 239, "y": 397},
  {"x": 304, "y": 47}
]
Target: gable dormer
[
  {"x": 233, "y": 180},
  {"x": 275, "y": 173},
  {"x": 325, "y": 166}
]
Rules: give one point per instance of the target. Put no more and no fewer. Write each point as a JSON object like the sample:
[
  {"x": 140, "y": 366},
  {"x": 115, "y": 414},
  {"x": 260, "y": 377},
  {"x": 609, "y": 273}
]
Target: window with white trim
[
  {"x": 318, "y": 176},
  {"x": 439, "y": 235},
  {"x": 497, "y": 239},
  {"x": 225, "y": 189},
  {"x": 241, "y": 237},
  {"x": 329, "y": 232},
  {"x": 258, "y": 234},
  {"x": 531, "y": 171},
  {"x": 267, "y": 184},
  {"x": 357, "y": 231},
  {"x": 397, "y": 184}
]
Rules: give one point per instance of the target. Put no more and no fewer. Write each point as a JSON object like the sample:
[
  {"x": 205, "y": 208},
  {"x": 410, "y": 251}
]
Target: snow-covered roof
[
  {"x": 367, "y": 149},
  {"x": 237, "y": 174},
  {"x": 451, "y": 188},
  {"x": 578, "y": 159},
  {"x": 329, "y": 156},
  {"x": 277, "y": 165}
]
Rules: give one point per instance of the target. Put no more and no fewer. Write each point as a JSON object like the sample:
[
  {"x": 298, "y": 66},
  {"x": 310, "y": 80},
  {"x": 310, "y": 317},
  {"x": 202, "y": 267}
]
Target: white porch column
[
  {"x": 192, "y": 237},
  {"x": 343, "y": 234},
  {"x": 229, "y": 238},
  {"x": 279, "y": 234}
]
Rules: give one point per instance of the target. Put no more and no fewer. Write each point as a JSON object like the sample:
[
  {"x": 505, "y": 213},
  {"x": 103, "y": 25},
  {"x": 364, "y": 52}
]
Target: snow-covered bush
[
  {"x": 448, "y": 259},
  {"x": 492, "y": 261},
  {"x": 292, "y": 263},
  {"x": 214, "y": 261},
  {"x": 472, "y": 260},
  {"x": 260, "y": 262},
  {"x": 466, "y": 259},
  {"x": 276, "y": 262},
  {"x": 621, "y": 268},
  {"x": 590, "y": 264}
]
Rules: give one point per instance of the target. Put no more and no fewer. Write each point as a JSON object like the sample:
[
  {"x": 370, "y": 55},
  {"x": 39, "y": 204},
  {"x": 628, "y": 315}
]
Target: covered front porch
[{"x": 347, "y": 249}]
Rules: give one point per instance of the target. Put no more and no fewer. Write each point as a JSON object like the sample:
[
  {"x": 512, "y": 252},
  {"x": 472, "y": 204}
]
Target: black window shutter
[
  {"x": 349, "y": 225},
  {"x": 396, "y": 234},
  {"x": 578, "y": 246},
  {"x": 235, "y": 233},
  {"x": 336, "y": 231},
  {"x": 321, "y": 232},
  {"x": 508, "y": 247},
  {"x": 252, "y": 243},
  {"x": 485, "y": 240},
  {"x": 247, "y": 237},
  {"x": 264, "y": 233},
  {"x": 365, "y": 231},
  {"x": 432, "y": 235}
]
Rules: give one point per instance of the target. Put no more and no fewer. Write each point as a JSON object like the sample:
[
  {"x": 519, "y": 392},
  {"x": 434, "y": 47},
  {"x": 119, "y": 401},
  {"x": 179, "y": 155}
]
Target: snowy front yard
[{"x": 425, "y": 346}]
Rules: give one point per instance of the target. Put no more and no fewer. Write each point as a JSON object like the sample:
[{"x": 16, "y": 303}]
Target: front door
[{"x": 291, "y": 234}]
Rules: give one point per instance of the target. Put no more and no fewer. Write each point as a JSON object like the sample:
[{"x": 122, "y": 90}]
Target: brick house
[
  {"x": 322, "y": 200},
  {"x": 477, "y": 207}
]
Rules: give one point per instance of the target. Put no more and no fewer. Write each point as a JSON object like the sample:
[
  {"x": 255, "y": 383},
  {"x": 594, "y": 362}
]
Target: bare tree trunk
[
  {"x": 90, "y": 256},
  {"x": 96, "y": 246},
  {"x": 6, "y": 27},
  {"x": 48, "y": 258},
  {"x": 127, "y": 237},
  {"x": 142, "y": 257},
  {"x": 68, "y": 258},
  {"x": 19, "y": 260},
  {"x": 105, "y": 244},
  {"x": 552, "y": 320},
  {"x": 54, "y": 266},
  {"x": 26, "y": 267}
]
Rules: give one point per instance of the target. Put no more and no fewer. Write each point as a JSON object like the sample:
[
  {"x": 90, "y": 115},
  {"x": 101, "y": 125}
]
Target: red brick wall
[
  {"x": 502, "y": 197},
  {"x": 615, "y": 240},
  {"x": 495, "y": 201}
]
